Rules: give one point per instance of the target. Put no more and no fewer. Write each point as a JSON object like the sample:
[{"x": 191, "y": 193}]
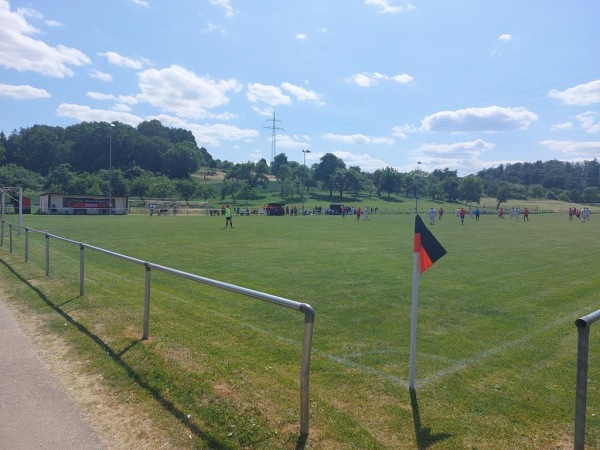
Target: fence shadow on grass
[
  {"x": 425, "y": 438},
  {"x": 116, "y": 356}
]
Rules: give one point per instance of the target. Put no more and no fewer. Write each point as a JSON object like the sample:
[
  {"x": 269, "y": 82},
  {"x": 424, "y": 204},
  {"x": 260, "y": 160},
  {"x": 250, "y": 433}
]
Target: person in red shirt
[
  {"x": 525, "y": 215},
  {"x": 462, "y": 216}
]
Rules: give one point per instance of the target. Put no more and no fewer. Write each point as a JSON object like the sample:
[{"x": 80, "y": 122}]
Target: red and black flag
[{"x": 426, "y": 245}]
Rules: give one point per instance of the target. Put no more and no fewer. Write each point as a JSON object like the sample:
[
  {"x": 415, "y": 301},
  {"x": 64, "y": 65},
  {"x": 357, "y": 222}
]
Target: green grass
[{"x": 496, "y": 338}]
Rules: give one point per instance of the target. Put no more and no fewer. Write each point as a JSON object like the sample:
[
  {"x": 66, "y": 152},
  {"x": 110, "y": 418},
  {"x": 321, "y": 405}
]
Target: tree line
[{"x": 154, "y": 161}]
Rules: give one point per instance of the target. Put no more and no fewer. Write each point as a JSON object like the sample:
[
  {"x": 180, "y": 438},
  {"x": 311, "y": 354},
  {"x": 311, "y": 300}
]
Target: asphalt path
[{"x": 36, "y": 411}]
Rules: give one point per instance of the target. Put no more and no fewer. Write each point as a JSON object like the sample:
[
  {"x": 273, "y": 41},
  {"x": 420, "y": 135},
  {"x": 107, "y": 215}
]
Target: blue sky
[{"x": 448, "y": 83}]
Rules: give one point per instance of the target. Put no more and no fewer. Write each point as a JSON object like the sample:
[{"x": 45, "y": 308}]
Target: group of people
[
  {"x": 163, "y": 210},
  {"x": 583, "y": 214},
  {"x": 461, "y": 213}
]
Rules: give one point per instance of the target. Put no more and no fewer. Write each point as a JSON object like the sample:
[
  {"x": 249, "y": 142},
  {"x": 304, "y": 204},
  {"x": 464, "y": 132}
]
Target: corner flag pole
[
  {"x": 427, "y": 250},
  {"x": 413, "y": 322}
]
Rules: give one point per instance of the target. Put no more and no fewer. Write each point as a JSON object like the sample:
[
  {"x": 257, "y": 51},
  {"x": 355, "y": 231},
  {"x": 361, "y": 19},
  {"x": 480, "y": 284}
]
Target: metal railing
[
  {"x": 304, "y": 308},
  {"x": 583, "y": 337}
]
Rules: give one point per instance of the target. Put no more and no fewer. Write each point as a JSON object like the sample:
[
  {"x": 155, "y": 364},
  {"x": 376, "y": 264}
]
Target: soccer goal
[{"x": 13, "y": 196}]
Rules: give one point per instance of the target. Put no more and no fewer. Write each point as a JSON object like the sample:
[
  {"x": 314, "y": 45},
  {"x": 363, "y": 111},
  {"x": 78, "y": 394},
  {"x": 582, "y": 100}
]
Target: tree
[
  {"x": 181, "y": 160},
  {"x": 325, "y": 170},
  {"x": 502, "y": 193},
  {"x": 86, "y": 183},
  {"x": 537, "y": 191},
  {"x": 277, "y": 162},
  {"x": 355, "y": 180},
  {"x": 187, "y": 188},
  {"x": 207, "y": 192},
  {"x": 59, "y": 177},
  {"x": 17, "y": 176},
  {"x": 369, "y": 187},
  {"x": 162, "y": 187},
  {"x": 451, "y": 185},
  {"x": 388, "y": 181},
  {"x": 470, "y": 189},
  {"x": 262, "y": 167},
  {"x": 591, "y": 194},
  {"x": 434, "y": 188},
  {"x": 340, "y": 181},
  {"x": 39, "y": 146},
  {"x": 3, "y": 142},
  {"x": 140, "y": 186}
]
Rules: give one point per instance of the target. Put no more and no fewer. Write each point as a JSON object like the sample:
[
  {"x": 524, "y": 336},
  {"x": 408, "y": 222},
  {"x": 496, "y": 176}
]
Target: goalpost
[{"x": 7, "y": 191}]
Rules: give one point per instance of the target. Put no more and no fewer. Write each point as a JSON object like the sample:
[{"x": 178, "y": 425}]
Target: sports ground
[{"x": 496, "y": 353}]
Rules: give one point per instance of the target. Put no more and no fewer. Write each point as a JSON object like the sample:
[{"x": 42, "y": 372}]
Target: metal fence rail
[
  {"x": 583, "y": 337},
  {"x": 304, "y": 308}
]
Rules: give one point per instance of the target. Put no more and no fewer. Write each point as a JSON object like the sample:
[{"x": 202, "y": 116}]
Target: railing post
[
  {"x": 26, "y": 244},
  {"x": 81, "y": 270},
  {"x": 10, "y": 237},
  {"x": 2, "y": 234},
  {"x": 309, "y": 318},
  {"x": 147, "y": 302},
  {"x": 583, "y": 337},
  {"x": 47, "y": 254}
]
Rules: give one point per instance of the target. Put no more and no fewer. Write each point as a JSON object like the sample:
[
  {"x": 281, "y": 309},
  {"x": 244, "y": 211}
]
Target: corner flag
[
  {"x": 428, "y": 247},
  {"x": 426, "y": 251}
]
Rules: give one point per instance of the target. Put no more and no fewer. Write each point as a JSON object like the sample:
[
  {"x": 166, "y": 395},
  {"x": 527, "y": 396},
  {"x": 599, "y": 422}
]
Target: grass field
[{"x": 496, "y": 339}]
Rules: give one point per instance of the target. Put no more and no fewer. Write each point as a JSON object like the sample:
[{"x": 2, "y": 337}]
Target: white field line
[
  {"x": 347, "y": 361},
  {"x": 461, "y": 365}
]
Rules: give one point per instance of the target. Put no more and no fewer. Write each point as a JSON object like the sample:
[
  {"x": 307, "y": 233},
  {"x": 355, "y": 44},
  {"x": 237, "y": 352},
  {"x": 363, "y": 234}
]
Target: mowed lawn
[{"x": 496, "y": 338}]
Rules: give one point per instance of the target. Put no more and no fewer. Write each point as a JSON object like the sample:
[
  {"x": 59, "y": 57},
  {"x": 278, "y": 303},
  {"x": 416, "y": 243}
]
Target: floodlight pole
[
  {"x": 110, "y": 168},
  {"x": 417, "y": 187},
  {"x": 304, "y": 152}
]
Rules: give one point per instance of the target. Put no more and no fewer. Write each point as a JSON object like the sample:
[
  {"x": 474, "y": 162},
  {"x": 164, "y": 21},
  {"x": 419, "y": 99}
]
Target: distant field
[{"x": 496, "y": 339}]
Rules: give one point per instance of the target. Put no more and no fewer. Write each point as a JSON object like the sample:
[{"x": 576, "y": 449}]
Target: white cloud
[
  {"x": 144, "y": 3},
  {"x": 303, "y": 95},
  {"x": 22, "y": 92},
  {"x": 366, "y": 79},
  {"x": 385, "y": 6},
  {"x": 488, "y": 119},
  {"x": 19, "y": 51},
  {"x": 505, "y": 38},
  {"x": 122, "y": 61},
  {"x": 99, "y": 96},
  {"x": 292, "y": 142},
  {"x": 129, "y": 99},
  {"x": 102, "y": 76},
  {"x": 589, "y": 121},
  {"x": 301, "y": 37},
  {"x": 53, "y": 23},
  {"x": 562, "y": 126},
  {"x": 583, "y": 94},
  {"x": 86, "y": 114},
  {"x": 210, "y": 135},
  {"x": 403, "y": 131},
  {"x": 271, "y": 95},
  {"x": 29, "y": 12},
  {"x": 180, "y": 91},
  {"x": 211, "y": 27},
  {"x": 267, "y": 112},
  {"x": 461, "y": 156},
  {"x": 121, "y": 107},
  {"x": 358, "y": 139},
  {"x": 226, "y": 5},
  {"x": 583, "y": 149}
]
